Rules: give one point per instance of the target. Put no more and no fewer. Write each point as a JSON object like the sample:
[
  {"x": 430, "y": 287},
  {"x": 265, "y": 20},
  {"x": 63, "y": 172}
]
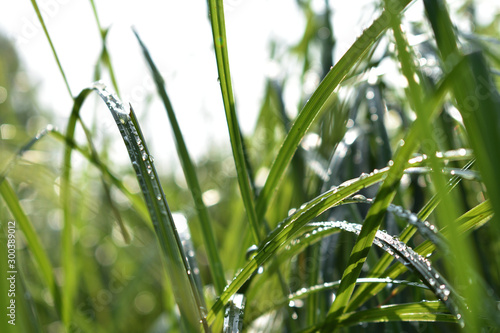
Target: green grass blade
[
  {"x": 220, "y": 44},
  {"x": 424, "y": 311},
  {"x": 52, "y": 47},
  {"x": 105, "y": 57},
  {"x": 32, "y": 241},
  {"x": 191, "y": 303},
  {"x": 67, "y": 249},
  {"x": 215, "y": 263},
  {"x": 315, "y": 104}
]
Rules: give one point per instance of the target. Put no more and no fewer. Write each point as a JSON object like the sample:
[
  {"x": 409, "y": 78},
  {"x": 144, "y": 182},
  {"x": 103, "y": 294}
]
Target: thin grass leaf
[
  {"x": 215, "y": 263},
  {"x": 220, "y": 44},
  {"x": 52, "y": 47},
  {"x": 315, "y": 104},
  {"x": 105, "y": 57},
  {"x": 191, "y": 303}
]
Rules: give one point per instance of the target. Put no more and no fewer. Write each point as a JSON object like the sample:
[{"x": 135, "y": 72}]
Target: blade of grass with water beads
[
  {"x": 215, "y": 263},
  {"x": 187, "y": 296}
]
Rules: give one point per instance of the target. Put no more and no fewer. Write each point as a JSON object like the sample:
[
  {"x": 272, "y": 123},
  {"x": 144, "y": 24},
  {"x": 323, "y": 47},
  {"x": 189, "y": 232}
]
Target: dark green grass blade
[
  {"x": 220, "y": 44},
  {"x": 52, "y": 47},
  {"x": 215, "y": 263},
  {"x": 315, "y": 104},
  {"x": 191, "y": 303}
]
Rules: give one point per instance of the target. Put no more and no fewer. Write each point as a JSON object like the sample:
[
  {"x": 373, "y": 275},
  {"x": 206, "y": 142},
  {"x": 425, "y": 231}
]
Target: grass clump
[{"x": 279, "y": 235}]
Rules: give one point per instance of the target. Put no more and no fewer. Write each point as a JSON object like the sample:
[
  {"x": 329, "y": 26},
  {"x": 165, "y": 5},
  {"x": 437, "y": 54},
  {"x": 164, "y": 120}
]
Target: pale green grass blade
[
  {"x": 315, "y": 104},
  {"x": 32, "y": 241},
  {"x": 220, "y": 44},
  {"x": 52, "y": 47},
  {"x": 67, "y": 248},
  {"x": 191, "y": 303},
  {"x": 215, "y": 263},
  {"x": 105, "y": 57},
  {"x": 422, "y": 311}
]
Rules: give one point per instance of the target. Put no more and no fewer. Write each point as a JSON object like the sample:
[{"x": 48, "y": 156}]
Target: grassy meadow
[{"x": 371, "y": 207}]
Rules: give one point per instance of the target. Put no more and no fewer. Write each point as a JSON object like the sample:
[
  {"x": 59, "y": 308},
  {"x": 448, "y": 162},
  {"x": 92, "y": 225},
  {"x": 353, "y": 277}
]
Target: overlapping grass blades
[
  {"x": 214, "y": 260},
  {"x": 188, "y": 297},
  {"x": 313, "y": 107}
]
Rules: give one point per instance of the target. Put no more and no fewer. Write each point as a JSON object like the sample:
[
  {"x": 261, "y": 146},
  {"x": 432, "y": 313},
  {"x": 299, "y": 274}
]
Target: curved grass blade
[
  {"x": 474, "y": 218},
  {"x": 366, "y": 291},
  {"x": 67, "y": 249},
  {"x": 220, "y": 44},
  {"x": 425, "y": 311},
  {"x": 235, "y": 310},
  {"x": 215, "y": 263},
  {"x": 44, "y": 27},
  {"x": 315, "y": 104},
  {"x": 415, "y": 262},
  {"x": 191, "y": 303}
]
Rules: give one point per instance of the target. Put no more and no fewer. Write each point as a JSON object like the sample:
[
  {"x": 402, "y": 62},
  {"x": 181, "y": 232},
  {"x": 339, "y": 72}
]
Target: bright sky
[{"x": 178, "y": 36}]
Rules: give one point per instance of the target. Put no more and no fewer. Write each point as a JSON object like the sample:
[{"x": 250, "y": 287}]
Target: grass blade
[
  {"x": 220, "y": 44},
  {"x": 32, "y": 241},
  {"x": 52, "y": 47},
  {"x": 191, "y": 303},
  {"x": 215, "y": 263}
]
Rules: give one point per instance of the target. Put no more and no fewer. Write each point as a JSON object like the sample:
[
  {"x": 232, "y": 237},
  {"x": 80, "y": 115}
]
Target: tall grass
[{"x": 373, "y": 209}]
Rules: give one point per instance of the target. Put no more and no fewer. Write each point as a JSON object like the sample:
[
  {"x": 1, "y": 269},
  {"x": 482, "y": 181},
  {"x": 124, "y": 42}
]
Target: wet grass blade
[
  {"x": 315, "y": 104},
  {"x": 220, "y": 44},
  {"x": 191, "y": 303},
  {"x": 424, "y": 311},
  {"x": 235, "y": 310},
  {"x": 215, "y": 263}
]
